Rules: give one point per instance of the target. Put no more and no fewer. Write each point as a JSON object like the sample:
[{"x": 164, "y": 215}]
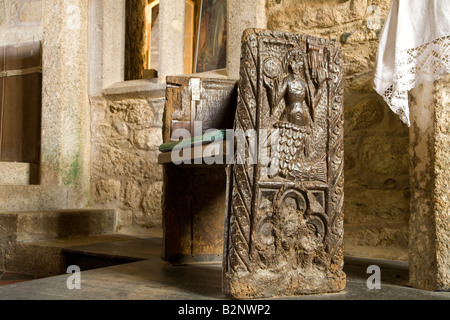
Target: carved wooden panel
[{"x": 284, "y": 216}]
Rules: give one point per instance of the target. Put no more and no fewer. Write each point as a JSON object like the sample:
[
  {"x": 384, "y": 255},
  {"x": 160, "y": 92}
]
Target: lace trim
[{"x": 413, "y": 67}]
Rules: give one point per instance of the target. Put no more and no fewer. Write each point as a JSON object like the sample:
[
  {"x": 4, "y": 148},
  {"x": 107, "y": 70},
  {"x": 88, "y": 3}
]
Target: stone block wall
[
  {"x": 377, "y": 193},
  {"x": 127, "y": 132},
  {"x": 377, "y": 196},
  {"x": 20, "y": 21}
]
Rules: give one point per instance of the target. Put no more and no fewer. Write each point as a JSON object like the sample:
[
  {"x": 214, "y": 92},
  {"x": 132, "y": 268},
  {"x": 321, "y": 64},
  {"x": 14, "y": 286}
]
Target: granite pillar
[
  {"x": 65, "y": 150},
  {"x": 429, "y": 229}
]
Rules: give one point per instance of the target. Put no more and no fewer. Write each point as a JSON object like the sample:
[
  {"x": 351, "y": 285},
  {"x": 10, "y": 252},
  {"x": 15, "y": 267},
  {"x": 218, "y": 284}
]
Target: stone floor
[
  {"x": 8, "y": 278},
  {"x": 147, "y": 277}
]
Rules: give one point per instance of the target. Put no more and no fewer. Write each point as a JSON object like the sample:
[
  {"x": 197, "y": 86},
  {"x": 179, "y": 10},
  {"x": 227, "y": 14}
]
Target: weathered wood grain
[{"x": 284, "y": 218}]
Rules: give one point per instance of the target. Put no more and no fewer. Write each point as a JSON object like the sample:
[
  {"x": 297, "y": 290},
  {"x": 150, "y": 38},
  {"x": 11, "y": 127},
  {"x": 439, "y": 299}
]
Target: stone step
[
  {"x": 23, "y": 227},
  {"x": 125, "y": 246},
  {"x": 32, "y": 197},
  {"x": 52, "y": 257},
  {"x": 19, "y": 231},
  {"x": 15, "y": 173},
  {"x": 106, "y": 254}
]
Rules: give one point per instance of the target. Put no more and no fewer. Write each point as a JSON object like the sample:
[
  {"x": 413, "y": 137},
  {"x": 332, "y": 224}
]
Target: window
[{"x": 204, "y": 37}]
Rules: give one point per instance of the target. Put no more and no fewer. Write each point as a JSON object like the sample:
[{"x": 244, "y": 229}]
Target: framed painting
[{"x": 212, "y": 36}]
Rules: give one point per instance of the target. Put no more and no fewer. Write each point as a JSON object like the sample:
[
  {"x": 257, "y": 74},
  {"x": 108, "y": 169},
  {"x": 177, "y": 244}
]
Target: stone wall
[
  {"x": 20, "y": 21},
  {"x": 127, "y": 132},
  {"x": 377, "y": 192}
]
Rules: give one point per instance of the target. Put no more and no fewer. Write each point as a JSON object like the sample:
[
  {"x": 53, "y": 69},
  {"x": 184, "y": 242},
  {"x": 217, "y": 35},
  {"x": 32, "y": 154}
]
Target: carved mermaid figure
[{"x": 301, "y": 86}]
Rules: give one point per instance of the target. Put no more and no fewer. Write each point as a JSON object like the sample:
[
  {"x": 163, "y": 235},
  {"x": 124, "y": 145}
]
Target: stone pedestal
[
  {"x": 284, "y": 218},
  {"x": 429, "y": 231}
]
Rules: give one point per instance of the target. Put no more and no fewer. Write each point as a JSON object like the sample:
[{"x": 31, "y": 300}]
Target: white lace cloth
[{"x": 414, "y": 49}]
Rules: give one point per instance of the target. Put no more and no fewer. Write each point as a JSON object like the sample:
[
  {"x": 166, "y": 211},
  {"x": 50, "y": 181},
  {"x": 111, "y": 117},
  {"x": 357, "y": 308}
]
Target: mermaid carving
[{"x": 300, "y": 84}]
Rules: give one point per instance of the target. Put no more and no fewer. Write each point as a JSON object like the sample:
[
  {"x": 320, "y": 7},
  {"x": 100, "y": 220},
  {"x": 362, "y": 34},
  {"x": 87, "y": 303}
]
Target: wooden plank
[
  {"x": 23, "y": 56},
  {"x": 208, "y": 210},
  {"x": 177, "y": 219},
  {"x": 21, "y": 116},
  {"x": 2, "y": 89},
  {"x": 32, "y": 118},
  {"x": 194, "y": 209},
  {"x": 21, "y": 72},
  {"x": 2, "y": 58},
  {"x": 13, "y": 124},
  {"x": 218, "y": 107}
]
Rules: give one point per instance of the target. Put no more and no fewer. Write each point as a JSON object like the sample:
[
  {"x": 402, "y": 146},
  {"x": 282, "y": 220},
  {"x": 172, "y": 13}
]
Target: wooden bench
[{"x": 195, "y": 193}]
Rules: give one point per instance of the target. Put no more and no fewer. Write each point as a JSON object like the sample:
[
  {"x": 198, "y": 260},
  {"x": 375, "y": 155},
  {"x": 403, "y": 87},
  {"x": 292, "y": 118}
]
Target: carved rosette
[{"x": 284, "y": 219}]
